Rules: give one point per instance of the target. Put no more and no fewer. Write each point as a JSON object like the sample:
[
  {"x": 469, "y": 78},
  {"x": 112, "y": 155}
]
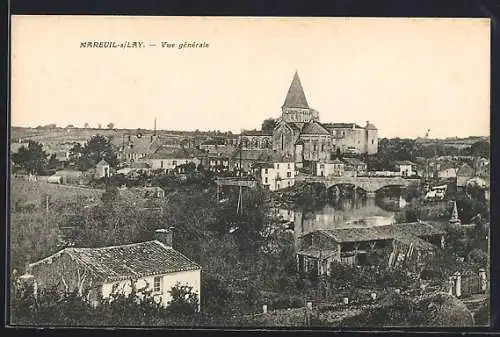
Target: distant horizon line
[{"x": 227, "y": 131}]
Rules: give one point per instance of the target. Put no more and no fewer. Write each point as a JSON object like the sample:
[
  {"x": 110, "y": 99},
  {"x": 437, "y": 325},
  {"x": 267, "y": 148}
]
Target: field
[
  {"x": 33, "y": 192},
  {"x": 62, "y": 135}
]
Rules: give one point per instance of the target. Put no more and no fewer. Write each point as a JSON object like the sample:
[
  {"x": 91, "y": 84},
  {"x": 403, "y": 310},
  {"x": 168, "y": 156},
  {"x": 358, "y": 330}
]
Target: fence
[{"x": 467, "y": 285}]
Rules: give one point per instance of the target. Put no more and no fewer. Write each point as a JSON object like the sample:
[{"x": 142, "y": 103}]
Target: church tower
[{"x": 295, "y": 109}]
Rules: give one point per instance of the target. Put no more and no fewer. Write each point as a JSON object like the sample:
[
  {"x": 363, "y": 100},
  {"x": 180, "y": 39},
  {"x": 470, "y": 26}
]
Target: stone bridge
[{"x": 369, "y": 184}]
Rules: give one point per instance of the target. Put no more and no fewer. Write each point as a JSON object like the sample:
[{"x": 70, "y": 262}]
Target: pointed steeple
[
  {"x": 295, "y": 97},
  {"x": 454, "y": 215}
]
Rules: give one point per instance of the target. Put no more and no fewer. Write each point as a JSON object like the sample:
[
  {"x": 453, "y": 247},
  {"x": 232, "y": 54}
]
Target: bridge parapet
[{"x": 369, "y": 184}]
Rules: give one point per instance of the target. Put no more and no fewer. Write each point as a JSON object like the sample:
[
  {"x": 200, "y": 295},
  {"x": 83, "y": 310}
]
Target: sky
[{"x": 403, "y": 75}]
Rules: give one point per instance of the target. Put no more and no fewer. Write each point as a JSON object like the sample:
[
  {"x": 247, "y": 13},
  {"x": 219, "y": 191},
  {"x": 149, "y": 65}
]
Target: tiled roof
[
  {"x": 405, "y": 162},
  {"x": 334, "y": 161},
  {"x": 415, "y": 241},
  {"x": 387, "y": 232},
  {"x": 248, "y": 154},
  {"x": 295, "y": 97},
  {"x": 128, "y": 261},
  {"x": 314, "y": 128},
  {"x": 214, "y": 141},
  {"x": 256, "y": 133},
  {"x": 465, "y": 170},
  {"x": 170, "y": 153},
  {"x": 273, "y": 157},
  {"x": 140, "y": 165},
  {"x": 370, "y": 126},
  {"x": 353, "y": 161}
]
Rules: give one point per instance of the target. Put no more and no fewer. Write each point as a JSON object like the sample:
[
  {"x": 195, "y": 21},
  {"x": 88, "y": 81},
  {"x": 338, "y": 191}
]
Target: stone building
[
  {"x": 300, "y": 134},
  {"x": 99, "y": 272}
]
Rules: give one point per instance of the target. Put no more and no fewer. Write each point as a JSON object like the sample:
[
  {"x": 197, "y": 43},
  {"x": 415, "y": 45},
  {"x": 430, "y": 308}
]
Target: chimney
[{"x": 165, "y": 236}]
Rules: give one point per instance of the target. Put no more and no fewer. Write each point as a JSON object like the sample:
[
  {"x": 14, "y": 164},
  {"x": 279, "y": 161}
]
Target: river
[{"x": 343, "y": 213}]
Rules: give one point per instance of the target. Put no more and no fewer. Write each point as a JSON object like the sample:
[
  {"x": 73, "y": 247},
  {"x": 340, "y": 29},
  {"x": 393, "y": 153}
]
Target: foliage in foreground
[{"x": 50, "y": 307}]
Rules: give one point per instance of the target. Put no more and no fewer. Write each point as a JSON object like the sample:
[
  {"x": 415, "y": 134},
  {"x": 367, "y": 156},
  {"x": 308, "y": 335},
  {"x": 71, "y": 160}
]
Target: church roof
[
  {"x": 370, "y": 126},
  {"x": 296, "y": 97},
  {"x": 314, "y": 128}
]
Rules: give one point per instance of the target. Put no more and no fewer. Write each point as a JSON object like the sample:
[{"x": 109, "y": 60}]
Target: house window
[
  {"x": 288, "y": 183},
  {"x": 282, "y": 142},
  {"x": 265, "y": 171},
  {"x": 373, "y": 141},
  {"x": 174, "y": 162},
  {"x": 277, "y": 166},
  {"x": 314, "y": 147},
  {"x": 321, "y": 166},
  {"x": 265, "y": 180},
  {"x": 161, "y": 164},
  {"x": 288, "y": 166},
  {"x": 289, "y": 174},
  {"x": 322, "y": 147},
  {"x": 157, "y": 284}
]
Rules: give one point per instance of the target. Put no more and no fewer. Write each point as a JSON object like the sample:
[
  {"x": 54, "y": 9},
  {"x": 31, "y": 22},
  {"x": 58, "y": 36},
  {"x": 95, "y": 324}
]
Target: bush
[
  {"x": 285, "y": 302},
  {"x": 184, "y": 300}
]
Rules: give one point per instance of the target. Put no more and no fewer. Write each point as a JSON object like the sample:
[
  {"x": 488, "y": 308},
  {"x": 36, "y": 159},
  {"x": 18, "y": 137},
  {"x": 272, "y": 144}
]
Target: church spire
[
  {"x": 454, "y": 215},
  {"x": 295, "y": 97}
]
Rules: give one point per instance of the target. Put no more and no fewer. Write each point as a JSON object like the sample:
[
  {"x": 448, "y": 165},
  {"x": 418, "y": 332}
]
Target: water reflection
[{"x": 343, "y": 213}]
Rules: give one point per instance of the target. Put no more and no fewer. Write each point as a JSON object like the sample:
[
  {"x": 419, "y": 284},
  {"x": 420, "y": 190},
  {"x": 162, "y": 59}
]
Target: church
[{"x": 301, "y": 136}]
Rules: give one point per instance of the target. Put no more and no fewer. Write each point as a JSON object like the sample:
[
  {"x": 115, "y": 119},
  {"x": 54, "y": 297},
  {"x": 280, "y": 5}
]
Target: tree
[
  {"x": 86, "y": 125},
  {"x": 111, "y": 125},
  {"x": 33, "y": 158},
  {"x": 479, "y": 149},
  {"x": 97, "y": 148},
  {"x": 69, "y": 126},
  {"x": 53, "y": 162},
  {"x": 184, "y": 300},
  {"x": 268, "y": 124},
  {"x": 99, "y": 126}
]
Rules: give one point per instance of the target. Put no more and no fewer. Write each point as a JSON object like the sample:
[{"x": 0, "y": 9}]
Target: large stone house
[
  {"x": 331, "y": 167},
  {"x": 275, "y": 171},
  {"x": 153, "y": 265}
]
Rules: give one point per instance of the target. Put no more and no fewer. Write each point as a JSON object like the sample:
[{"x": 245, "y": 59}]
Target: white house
[
  {"x": 101, "y": 169},
  {"x": 406, "y": 168},
  {"x": 275, "y": 171},
  {"x": 448, "y": 173},
  {"x": 170, "y": 159},
  {"x": 330, "y": 168},
  {"x": 153, "y": 265}
]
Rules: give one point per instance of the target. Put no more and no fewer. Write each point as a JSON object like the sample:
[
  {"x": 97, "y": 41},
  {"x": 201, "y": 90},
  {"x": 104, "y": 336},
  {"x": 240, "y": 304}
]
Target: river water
[{"x": 343, "y": 213}]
